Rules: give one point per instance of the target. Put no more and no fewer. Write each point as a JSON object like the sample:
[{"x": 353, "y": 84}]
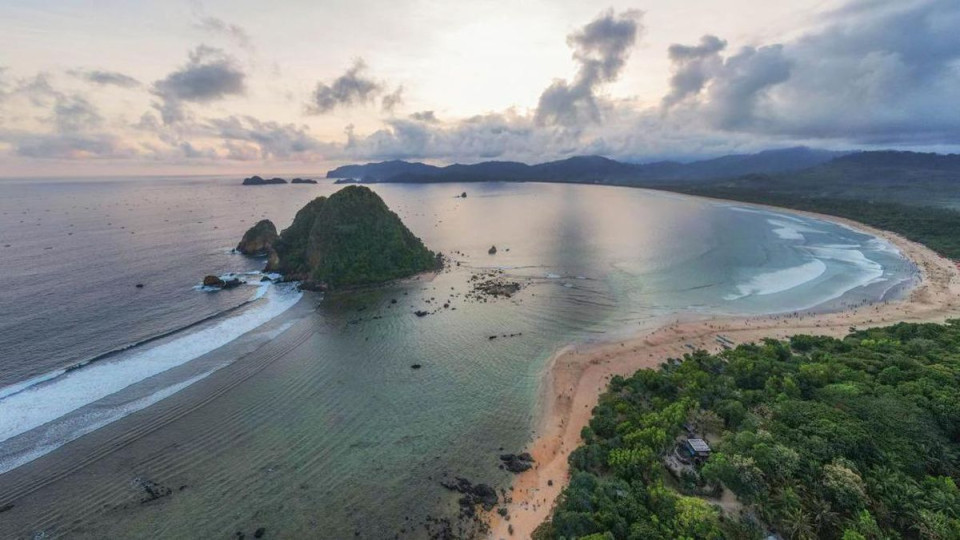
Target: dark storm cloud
[
  {"x": 601, "y": 48},
  {"x": 877, "y": 72},
  {"x": 351, "y": 88},
  {"x": 209, "y": 75},
  {"x": 105, "y": 78},
  {"x": 693, "y": 67}
]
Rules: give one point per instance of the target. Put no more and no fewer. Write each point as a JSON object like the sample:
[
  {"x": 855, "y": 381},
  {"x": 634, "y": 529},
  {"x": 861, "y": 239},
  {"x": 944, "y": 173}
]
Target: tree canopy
[{"x": 817, "y": 437}]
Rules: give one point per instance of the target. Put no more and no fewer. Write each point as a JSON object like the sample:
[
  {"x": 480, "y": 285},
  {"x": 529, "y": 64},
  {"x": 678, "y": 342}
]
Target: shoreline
[{"x": 576, "y": 375}]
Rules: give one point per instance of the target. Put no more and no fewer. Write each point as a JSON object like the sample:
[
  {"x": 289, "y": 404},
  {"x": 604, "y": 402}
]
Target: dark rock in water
[
  {"x": 415, "y": 366},
  {"x": 258, "y": 181},
  {"x": 350, "y": 238},
  {"x": 473, "y": 495},
  {"x": 259, "y": 532},
  {"x": 212, "y": 281},
  {"x": 303, "y": 181},
  {"x": 492, "y": 250},
  {"x": 154, "y": 491},
  {"x": 259, "y": 239},
  {"x": 463, "y": 195},
  {"x": 421, "y": 313},
  {"x": 517, "y": 463},
  {"x": 139, "y": 285},
  {"x": 6, "y": 507},
  {"x": 231, "y": 283}
]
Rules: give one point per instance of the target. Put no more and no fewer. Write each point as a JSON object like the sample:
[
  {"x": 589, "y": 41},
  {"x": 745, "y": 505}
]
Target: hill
[
  {"x": 350, "y": 238},
  {"x": 588, "y": 169}
]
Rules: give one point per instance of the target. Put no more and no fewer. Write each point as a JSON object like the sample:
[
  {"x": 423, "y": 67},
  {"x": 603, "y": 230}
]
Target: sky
[{"x": 112, "y": 87}]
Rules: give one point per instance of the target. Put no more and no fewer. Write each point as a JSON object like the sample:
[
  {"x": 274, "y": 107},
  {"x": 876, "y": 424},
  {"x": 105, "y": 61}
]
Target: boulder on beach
[
  {"x": 492, "y": 250},
  {"x": 259, "y": 239}
]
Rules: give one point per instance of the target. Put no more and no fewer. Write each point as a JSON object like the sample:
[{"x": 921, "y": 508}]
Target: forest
[{"x": 816, "y": 437}]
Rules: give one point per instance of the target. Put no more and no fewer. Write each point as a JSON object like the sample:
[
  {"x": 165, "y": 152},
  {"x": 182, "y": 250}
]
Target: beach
[{"x": 576, "y": 376}]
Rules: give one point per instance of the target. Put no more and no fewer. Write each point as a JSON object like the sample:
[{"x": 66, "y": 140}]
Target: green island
[
  {"x": 348, "y": 239},
  {"x": 853, "y": 438}
]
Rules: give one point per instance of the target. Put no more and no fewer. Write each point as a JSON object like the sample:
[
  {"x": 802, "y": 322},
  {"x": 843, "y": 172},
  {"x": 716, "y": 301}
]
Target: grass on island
[{"x": 817, "y": 437}]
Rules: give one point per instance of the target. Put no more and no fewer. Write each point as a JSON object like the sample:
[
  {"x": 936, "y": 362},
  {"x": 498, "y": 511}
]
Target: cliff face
[
  {"x": 350, "y": 238},
  {"x": 259, "y": 239}
]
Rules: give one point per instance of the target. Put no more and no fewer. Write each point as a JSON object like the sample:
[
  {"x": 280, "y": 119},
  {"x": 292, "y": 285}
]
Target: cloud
[
  {"x": 885, "y": 76},
  {"x": 424, "y": 116},
  {"x": 209, "y": 75},
  {"x": 68, "y": 145},
  {"x": 392, "y": 100},
  {"x": 234, "y": 32},
  {"x": 105, "y": 78},
  {"x": 272, "y": 140},
  {"x": 601, "y": 48},
  {"x": 351, "y": 88},
  {"x": 75, "y": 114},
  {"x": 693, "y": 67}
]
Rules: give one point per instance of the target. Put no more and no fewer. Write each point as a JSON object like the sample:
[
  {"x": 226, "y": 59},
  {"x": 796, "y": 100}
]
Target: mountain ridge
[{"x": 588, "y": 168}]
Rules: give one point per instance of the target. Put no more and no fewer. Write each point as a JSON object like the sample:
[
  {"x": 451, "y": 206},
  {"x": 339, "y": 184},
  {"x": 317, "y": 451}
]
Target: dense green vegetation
[
  {"x": 350, "y": 238},
  {"x": 935, "y": 227},
  {"x": 817, "y": 437}
]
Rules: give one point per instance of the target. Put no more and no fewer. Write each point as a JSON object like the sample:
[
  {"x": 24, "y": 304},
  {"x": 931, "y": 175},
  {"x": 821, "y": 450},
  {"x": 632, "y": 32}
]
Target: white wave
[
  {"x": 47, "y": 401},
  {"x": 553, "y": 276},
  {"x": 61, "y": 435},
  {"x": 847, "y": 255},
  {"x": 779, "y": 280},
  {"x": 791, "y": 229},
  {"x": 20, "y": 386}
]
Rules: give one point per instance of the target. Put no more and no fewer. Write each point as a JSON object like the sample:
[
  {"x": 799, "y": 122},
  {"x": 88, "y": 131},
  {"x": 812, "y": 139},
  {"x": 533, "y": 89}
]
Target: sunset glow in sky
[{"x": 115, "y": 87}]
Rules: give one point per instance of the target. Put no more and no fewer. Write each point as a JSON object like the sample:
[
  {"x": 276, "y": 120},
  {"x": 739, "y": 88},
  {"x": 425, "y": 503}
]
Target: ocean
[{"x": 267, "y": 406}]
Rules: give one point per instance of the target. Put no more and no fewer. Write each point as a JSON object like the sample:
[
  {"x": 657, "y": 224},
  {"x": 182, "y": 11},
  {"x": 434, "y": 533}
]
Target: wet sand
[{"x": 577, "y": 375}]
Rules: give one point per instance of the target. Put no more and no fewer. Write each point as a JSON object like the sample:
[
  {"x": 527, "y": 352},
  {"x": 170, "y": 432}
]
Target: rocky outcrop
[
  {"x": 259, "y": 239},
  {"x": 473, "y": 495},
  {"x": 216, "y": 282},
  {"x": 492, "y": 250},
  {"x": 303, "y": 181},
  {"x": 517, "y": 463},
  {"x": 258, "y": 181},
  {"x": 350, "y": 238}
]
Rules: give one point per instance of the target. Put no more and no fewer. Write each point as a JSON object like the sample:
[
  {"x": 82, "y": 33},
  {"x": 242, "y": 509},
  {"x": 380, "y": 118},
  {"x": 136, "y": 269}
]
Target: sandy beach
[{"x": 576, "y": 376}]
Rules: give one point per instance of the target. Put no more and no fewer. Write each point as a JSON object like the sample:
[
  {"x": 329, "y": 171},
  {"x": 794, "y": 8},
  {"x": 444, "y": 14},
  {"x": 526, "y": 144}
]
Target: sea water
[{"x": 339, "y": 436}]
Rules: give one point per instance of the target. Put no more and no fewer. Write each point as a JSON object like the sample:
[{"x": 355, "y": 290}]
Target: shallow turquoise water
[{"x": 340, "y": 436}]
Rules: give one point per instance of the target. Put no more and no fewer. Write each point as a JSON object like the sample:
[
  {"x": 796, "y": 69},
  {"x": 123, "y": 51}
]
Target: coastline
[{"x": 576, "y": 375}]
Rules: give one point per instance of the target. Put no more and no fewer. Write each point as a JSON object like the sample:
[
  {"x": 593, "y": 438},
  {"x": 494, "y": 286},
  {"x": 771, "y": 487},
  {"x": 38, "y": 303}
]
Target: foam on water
[
  {"x": 779, "y": 280},
  {"x": 56, "y": 396},
  {"x": 60, "y": 435}
]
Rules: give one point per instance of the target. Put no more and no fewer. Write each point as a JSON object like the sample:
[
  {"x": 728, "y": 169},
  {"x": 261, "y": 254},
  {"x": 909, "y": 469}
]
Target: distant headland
[{"x": 259, "y": 181}]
